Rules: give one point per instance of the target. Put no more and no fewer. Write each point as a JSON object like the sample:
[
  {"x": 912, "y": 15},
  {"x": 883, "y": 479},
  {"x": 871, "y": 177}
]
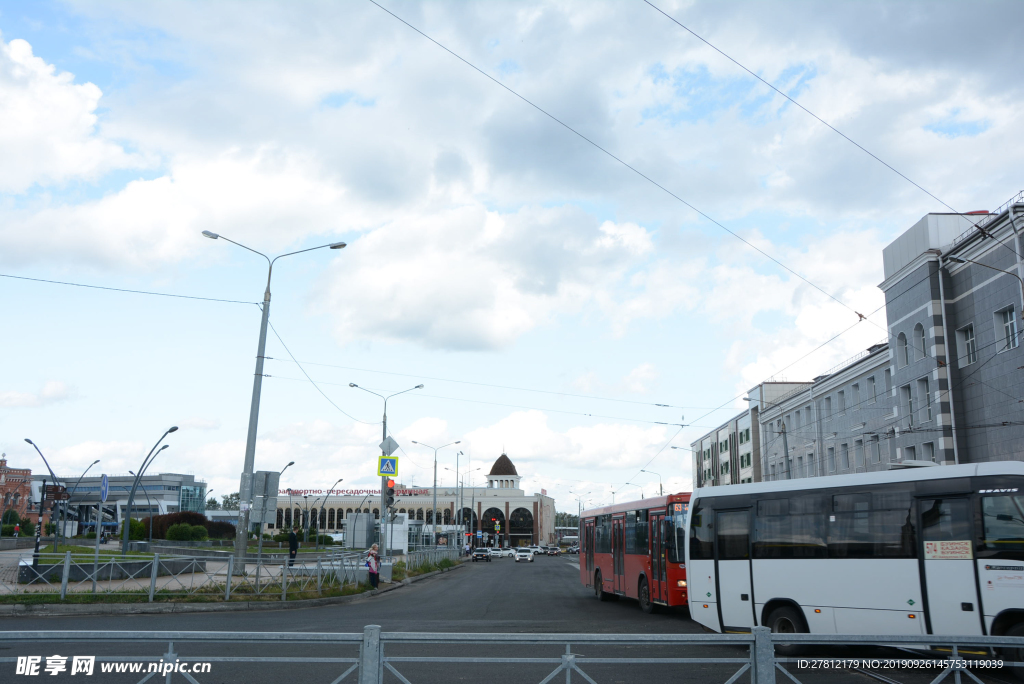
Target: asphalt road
[{"x": 497, "y": 597}]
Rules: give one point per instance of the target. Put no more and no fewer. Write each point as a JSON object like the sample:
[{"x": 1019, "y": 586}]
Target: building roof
[{"x": 503, "y": 466}]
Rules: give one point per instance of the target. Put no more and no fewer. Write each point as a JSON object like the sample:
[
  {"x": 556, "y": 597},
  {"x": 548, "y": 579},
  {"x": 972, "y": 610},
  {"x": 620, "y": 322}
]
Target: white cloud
[
  {"x": 53, "y": 391},
  {"x": 641, "y": 379},
  {"x": 199, "y": 424},
  {"x": 48, "y": 124}
]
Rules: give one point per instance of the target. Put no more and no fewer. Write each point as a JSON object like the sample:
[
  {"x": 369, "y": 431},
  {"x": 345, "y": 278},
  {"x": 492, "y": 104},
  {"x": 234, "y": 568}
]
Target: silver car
[{"x": 524, "y": 555}]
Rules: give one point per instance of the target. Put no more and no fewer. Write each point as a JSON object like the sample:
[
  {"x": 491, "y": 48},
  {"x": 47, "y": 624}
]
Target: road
[{"x": 497, "y": 597}]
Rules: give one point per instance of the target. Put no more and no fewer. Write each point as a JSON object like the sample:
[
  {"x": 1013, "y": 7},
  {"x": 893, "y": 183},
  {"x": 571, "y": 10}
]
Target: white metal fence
[{"x": 376, "y": 657}]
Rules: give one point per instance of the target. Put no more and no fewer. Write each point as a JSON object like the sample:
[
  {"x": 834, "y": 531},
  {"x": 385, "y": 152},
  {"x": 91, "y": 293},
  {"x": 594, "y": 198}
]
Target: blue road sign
[
  {"x": 479, "y": 533},
  {"x": 104, "y": 489},
  {"x": 387, "y": 466}
]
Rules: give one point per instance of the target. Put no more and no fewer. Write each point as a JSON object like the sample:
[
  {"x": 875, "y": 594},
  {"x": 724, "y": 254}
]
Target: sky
[{"x": 585, "y": 231}]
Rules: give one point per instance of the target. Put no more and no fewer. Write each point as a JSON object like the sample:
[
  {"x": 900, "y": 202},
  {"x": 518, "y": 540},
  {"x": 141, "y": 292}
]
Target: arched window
[
  {"x": 330, "y": 518},
  {"x": 920, "y": 346},
  {"x": 280, "y": 518},
  {"x": 401, "y": 510},
  {"x": 376, "y": 513},
  {"x": 430, "y": 516},
  {"x": 419, "y": 514},
  {"x": 348, "y": 512},
  {"x": 902, "y": 358},
  {"x": 447, "y": 517},
  {"x": 288, "y": 518}
]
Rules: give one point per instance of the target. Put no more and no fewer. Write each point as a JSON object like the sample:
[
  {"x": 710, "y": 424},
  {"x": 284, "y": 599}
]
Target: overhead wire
[{"x": 121, "y": 289}]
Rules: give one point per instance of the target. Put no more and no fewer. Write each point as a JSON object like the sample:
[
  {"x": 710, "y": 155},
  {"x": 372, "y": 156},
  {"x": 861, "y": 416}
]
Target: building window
[
  {"x": 799, "y": 466},
  {"x": 831, "y": 459},
  {"x": 810, "y": 465},
  {"x": 844, "y": 456},
  {"x": 841, "y": 401},
  {"x": 907, "y": 400},
  {"x": 909, "y": 454},
  {"x": 855, "y": 394},
  {"x": 888, "y": 380},
  {"x": 828, "y": 408},
  {"x": 968, "y": 345},
  {"x": 920, "y": 350},
  {"x": 902, "y": 358},
  {"x": 924, "y": 399},
  {"x": 928, "y": 451},
  {"x": 858, "y": 454},
  {"x": 872, "y": 390},
  {"x": 1009, "y": 329}
]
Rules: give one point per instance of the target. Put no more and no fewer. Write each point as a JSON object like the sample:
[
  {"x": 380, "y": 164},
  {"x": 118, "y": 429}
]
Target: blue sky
[{"x": 493, "y": 255}]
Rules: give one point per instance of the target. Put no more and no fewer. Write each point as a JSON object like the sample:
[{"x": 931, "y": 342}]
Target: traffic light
[{"x": 391, "y": 493}]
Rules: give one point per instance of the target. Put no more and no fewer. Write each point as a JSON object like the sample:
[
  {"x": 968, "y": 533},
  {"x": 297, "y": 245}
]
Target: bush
[
  {"x": 137, "y": 530},
  {"x": 50, "y": 529},
  {"x": 90, "y": 535},
  {"x": 7, "y": 531},
  {"x": 220, "y": 530},
  {"x": 198, "y": 533},
  {"x": 28, "y": 529},
  {"x": 11, "y": 517},
  {"x": 280, "y": 537},
  {"x": 324, "y": 539},
  {"x": 162, "y": 524},
  {"x": 179, "y": 532}
]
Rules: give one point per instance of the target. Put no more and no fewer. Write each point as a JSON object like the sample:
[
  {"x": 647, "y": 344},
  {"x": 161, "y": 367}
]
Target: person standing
[
  {"x": 373, "y": 565},
  {"x": 293, "y": 545},
  {"x": 17, "y": 529}
]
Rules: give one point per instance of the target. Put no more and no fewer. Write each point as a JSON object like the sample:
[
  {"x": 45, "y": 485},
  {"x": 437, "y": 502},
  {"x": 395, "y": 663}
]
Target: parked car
[
  {"x": 535, "y": 549},
  {"x": 481, "y": 554},
  {"x": 524, "y": 554},
  {"x": 495, "y": 553}
]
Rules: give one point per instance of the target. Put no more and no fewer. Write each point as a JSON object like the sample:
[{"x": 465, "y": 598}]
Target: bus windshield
[{"x": 675, "y": 532}]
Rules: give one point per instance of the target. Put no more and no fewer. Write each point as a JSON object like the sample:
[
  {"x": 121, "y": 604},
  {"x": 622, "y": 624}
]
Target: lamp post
[
  {"x": 73, "y": 489},
  {"x": 633, "y": 484},
  {"x": 661, "y": 490},
  {"x": 149, "y": 504},
  {"x": 961, "y": 260},
  {"x": 42, "y": 494},
  {"x": 384, "y": 479},
  {"x": 245, "y": 488},
  {"x": 322, "y": 506},
  {"x": 434, "y": 517},
  {"x": 135, "y": 485},
  {"x": 305, "y": 518}
]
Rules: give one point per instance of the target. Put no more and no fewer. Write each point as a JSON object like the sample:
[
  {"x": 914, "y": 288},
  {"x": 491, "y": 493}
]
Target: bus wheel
[
  {"x": 1015, "y": 654},
  {"x": 786, "y": 620},
  {"x": 599, "y": 591},
  {"x": 644, "y": 596}
]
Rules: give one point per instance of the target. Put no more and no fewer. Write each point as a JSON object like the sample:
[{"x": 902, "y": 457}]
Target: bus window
[
  {"x": 790, "y": 528},
  {"x": 640, "y": 532},
  {"x": 734, "y": 535},
  {"x": 603, "y": 534},
  {"x": 859, "y": 529},
  {"x": 702, "y": 534},
  {"x": 945, "y": 520},
  {"x": 1003, "y": 518}
]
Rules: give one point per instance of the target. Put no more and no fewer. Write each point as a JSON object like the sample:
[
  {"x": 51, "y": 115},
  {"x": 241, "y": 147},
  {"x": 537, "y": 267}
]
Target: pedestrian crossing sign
[{"x": 387, "y": 466}]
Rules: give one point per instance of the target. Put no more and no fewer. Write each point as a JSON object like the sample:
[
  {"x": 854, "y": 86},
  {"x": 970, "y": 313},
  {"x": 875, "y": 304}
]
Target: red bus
[{"x": 636, "y": 550}]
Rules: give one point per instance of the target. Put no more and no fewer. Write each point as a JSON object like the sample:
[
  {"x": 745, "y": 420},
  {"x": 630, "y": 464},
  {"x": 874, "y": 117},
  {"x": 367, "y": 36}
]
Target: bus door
[
  {"x": 951, "y": 601},
  {"x": 659, "y": 586},
  {"x": 732, "y": 566},
  {"x": 618, "y": 555},
  {"x": 588, "y": 544}
]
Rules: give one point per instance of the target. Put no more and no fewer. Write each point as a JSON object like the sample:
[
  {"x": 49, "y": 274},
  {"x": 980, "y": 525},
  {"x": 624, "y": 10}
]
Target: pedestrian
[
  {"x": 373, "y": 565},
  {"x": 293, "y": 545},
  {"x": 17, "y": 529}
]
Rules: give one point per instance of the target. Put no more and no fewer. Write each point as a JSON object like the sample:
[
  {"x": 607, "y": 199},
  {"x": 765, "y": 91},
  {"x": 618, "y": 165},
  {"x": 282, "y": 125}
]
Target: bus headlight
[{"x": 681, "y": 583}]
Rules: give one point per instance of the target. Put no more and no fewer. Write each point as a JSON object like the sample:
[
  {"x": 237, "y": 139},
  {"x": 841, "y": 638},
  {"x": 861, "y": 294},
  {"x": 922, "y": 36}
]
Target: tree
[
  {"x": 212, "y": 504},
  {"x": 230, "y": 502}
]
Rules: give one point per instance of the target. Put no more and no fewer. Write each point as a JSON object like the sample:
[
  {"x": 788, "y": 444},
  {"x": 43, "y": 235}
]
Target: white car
[
  {"x": 535, "y": 549},
  {"x": 524, "y": 555},
  {"x": 495, "y": 553}
]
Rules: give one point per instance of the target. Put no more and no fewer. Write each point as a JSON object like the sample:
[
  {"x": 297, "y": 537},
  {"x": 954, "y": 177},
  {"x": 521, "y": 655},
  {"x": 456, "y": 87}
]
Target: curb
[{"x": 54, "y": 609}]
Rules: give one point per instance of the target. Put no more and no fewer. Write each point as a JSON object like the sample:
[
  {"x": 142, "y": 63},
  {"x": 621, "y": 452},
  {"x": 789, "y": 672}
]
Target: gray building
[
  {"x": 156, "y": 495},
  {"x": 943, "y": 388}
]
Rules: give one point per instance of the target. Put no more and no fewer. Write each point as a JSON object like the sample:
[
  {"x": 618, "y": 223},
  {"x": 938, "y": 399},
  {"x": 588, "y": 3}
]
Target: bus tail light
[
  {"x": 911, "y": 616},
  {"x": 681, "y": 583},
  {"x": 705, "y": 605},
  {"x": 817, "y": 610}
]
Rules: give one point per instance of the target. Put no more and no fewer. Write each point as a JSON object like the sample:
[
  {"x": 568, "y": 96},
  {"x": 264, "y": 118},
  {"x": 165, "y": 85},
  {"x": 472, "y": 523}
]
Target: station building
[{"x": 502, "y": 512}]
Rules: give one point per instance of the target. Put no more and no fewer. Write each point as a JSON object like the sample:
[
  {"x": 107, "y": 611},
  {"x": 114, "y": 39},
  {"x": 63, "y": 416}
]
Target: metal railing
[
  {"x": 375, "y": 656},
  {"x": 152, "y": 577},
  {"x": 988, "y": 218}
]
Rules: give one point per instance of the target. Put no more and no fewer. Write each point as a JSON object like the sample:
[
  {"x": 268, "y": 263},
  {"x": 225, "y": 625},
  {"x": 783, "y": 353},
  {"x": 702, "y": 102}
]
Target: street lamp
[
  {"x": 961, "y": 260},
  {"x": 661, "y": 491},
  {"x": 135, "y": 485},
  {"x": 384, "y": 479},
  {"x": 149, "y": 504},
  {"x": 42, "y": 498},
  {"x": 263, "y": 519},
  {"x": 305, "y": 518},
  {"x": 245, "y": 488},
  {"x": 434, "y": 517},
  {"x": 322, "y": 504},
  {"x": 636, "y": 485}
]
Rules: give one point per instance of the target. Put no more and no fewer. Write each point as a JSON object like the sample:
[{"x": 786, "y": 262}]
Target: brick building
[{"x": 15, "y": 487}]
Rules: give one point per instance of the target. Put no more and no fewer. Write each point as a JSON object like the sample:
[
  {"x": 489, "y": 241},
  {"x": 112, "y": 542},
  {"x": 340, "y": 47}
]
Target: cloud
[
  {"x": 49, "y": 124},
  {"x": 641, "y": 379},
  {"x": 52, "y": 392},
  {"x": 199, "y": 424}
]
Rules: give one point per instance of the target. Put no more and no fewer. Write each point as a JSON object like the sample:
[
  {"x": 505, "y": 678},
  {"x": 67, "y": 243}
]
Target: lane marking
[{"x": 575, "y": 565}]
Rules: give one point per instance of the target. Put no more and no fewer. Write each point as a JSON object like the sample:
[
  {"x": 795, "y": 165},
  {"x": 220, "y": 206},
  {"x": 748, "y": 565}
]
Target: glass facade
[{"x": 192, "y": 498}]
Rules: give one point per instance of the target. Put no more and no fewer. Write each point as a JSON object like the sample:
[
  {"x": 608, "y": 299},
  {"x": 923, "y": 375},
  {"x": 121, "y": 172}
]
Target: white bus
[{"x": 935, "y": 550}]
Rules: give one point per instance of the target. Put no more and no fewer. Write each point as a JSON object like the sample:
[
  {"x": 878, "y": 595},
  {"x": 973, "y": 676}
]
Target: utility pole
[{"x": 785, "y": 450}]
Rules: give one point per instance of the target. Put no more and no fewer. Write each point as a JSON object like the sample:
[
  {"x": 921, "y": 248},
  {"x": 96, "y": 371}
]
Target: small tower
[{"x": 503, "y": 474}]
